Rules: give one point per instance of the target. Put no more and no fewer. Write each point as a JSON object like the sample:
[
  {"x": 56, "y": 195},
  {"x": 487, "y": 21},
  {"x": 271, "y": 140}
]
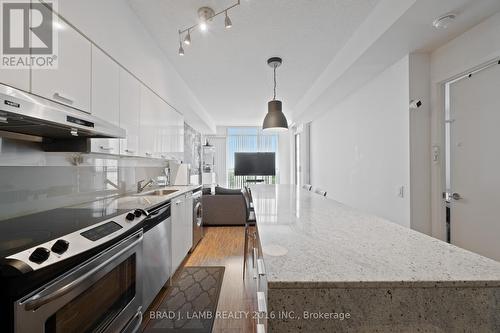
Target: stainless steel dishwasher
[{"x": 157, "y": 255}]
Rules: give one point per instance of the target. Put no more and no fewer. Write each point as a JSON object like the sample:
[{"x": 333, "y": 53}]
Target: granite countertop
[
  {"x": 309, "y": 241},
  {"x": 141, "y": 200}
]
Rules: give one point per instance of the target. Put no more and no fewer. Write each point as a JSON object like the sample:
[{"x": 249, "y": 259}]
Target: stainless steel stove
[{"x": 69, "y": 261}]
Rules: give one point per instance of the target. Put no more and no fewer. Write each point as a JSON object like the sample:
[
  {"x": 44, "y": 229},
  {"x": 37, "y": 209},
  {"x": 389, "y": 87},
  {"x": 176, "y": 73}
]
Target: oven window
[{"x": 95, "y": 308}]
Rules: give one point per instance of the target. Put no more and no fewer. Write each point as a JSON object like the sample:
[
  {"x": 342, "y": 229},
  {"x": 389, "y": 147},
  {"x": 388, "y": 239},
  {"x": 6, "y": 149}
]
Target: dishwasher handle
[{"x": 156, "y": 216}]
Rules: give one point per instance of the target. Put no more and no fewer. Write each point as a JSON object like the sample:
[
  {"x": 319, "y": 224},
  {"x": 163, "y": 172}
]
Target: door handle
[
  {"x": 64, "y": 99},
  {"x": 106, "y": 148},
  {"x": 39, "y": 300},
  {"x": 456, "y": 196}
]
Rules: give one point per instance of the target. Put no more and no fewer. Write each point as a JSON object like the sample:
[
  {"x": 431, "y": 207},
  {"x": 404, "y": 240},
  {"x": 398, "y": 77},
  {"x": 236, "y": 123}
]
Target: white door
[
  {"x": 474, "y": 167},
  {"x": 105, "y": 98},
  {"x": 70, "y": 83},
  {"x": 130, "y": 106}
]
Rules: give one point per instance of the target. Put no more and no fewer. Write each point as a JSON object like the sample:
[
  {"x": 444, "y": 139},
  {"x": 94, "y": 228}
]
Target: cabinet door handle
[
  {"x": 148, "y": 154},
  {"x": 261, "y": 302},
  {"x": 130, "y": 151},
  {"x": 260, "y": 267},
  {"x": 177, "y": 203},
  {"x": 64, "y": 99},
  {"x": 106, "y": 148}
]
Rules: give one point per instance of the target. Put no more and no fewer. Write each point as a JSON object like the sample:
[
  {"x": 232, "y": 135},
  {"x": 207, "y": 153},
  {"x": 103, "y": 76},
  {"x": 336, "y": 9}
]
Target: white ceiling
[{"x": 227, "y": 70}]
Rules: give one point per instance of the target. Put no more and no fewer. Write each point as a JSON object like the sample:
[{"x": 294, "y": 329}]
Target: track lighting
[
  {"x": 187, "y": 39},
  {"x": 227, "y": 22},
  {"x": 206, "y": 14}
]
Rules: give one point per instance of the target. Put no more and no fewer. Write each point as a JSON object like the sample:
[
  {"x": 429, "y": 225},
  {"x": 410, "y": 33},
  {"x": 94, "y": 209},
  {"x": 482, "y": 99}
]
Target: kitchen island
[{"x": 332, "y": 268}]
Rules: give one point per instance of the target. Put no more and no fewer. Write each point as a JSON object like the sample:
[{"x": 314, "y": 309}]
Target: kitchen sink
[{"x": 158, "y": 192}]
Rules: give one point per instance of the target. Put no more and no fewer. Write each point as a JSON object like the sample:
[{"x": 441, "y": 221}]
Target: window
[{"x": 249, "y": 139}]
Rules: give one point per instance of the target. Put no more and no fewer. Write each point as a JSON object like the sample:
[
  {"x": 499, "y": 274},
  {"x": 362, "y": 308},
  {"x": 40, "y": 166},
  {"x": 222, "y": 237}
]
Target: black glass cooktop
[{"x": 21, "y": 233}]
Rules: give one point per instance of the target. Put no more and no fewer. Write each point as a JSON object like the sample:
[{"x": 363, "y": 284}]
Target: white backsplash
[{"x": 32, "y": 180}]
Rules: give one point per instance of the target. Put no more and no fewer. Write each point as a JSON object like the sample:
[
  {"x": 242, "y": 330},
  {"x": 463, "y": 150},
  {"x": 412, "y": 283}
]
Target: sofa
[{"x": 226, "y": 207}]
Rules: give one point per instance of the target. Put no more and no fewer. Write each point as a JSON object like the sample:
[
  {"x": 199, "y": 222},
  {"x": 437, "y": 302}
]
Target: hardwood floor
[{"x": 223, "y": 246}]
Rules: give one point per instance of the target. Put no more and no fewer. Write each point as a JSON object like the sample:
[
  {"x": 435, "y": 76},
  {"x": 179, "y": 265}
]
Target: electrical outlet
[{"x": 435, "y": 154}]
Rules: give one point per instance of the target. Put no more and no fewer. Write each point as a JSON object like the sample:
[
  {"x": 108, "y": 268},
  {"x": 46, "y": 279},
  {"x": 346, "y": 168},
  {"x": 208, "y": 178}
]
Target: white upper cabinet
[
  {"x": 70, "y": 83},
  {"x": 130, "y": 106},
  {"x": 178, "y": 137},
  {"x": 173, "y": 141},
  {"x": 162, "y": 128},
  {"x": 17, "y": 78},
  {"x": 105, "y": 98},
  {"x": 149, "y": 124}
]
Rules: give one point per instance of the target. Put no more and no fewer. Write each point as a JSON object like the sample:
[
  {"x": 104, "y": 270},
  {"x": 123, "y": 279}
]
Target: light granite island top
[{"x": 320, "y": 255}]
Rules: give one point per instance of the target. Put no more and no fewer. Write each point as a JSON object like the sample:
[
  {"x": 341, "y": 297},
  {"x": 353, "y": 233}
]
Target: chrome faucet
[{"x": 141, "y": 188}]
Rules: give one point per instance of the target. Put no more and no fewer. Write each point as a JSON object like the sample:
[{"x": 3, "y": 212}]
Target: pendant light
[{"x": 275, "y": 119}]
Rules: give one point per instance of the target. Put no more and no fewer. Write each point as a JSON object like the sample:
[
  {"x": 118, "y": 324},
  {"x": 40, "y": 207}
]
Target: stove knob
[
  {"x": 130, "y": 216},
  {"x": 60, "y": 246},
  {"x": 138, "y": 212},
  {"x": 39, "y": 255}
]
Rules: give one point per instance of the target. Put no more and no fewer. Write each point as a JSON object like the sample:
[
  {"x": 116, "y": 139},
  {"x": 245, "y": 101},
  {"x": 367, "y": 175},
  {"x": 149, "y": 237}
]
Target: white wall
[
  {"x": 360, "y": 149},
  {"x": 114, "y": 27},
  {"x": 471, "y": 49},
  {"x": 284, "y": 157},
  {"x": 420, "y": 146}
]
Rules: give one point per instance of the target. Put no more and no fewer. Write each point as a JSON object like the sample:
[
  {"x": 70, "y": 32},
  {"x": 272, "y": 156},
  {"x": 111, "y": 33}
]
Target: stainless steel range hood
[{"x": 24, "y": 113}]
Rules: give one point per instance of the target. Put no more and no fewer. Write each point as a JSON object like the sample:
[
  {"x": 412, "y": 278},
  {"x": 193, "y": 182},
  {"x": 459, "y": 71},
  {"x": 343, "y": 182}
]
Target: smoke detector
[
  {"x": 206, "y": 13},
  {"x": 444, "y": 21}
]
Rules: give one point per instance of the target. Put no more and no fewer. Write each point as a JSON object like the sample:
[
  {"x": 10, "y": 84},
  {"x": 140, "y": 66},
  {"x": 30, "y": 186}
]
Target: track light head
[
  {"x": 187, "y": 38},
  {"x": 181, "y": 50},
  {"x": 227, "y": 22}
]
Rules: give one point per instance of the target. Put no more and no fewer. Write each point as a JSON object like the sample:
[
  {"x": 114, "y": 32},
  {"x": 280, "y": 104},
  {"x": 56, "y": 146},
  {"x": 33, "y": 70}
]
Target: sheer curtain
[{"x": 220, "y": 169}]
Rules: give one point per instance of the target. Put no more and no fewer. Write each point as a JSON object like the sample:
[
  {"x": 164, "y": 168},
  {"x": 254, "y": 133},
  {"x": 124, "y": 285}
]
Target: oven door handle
[
  {"x": 137, "y": 320},
  {"x": 39, "y": 300}
]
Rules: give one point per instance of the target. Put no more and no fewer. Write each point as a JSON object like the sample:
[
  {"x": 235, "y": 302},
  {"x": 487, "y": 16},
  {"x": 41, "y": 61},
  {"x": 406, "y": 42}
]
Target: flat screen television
[{"x": 254, "y": 164}]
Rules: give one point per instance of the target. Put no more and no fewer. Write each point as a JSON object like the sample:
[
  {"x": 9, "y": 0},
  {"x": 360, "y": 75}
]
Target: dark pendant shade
[{"x": 275, "y": 119}]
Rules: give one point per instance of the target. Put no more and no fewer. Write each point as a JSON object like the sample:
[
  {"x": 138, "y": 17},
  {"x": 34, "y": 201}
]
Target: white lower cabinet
[
  {"x": 182, "y": 228},
  {"x": 189, "y": 220},
  {"x": 178, "y": 231}
]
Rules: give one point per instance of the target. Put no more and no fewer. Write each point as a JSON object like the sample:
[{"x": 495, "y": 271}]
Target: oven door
[{"x": 104, "y": 294}]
